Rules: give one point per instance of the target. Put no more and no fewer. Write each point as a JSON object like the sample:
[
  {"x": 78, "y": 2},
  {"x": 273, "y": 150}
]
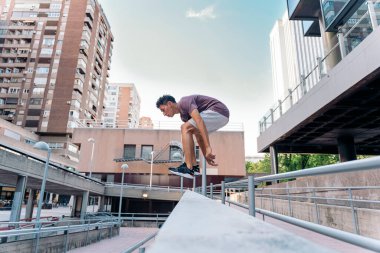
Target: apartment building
[
  {"x": 122, "y": 106},
  {"x": 55, "y": 58}
]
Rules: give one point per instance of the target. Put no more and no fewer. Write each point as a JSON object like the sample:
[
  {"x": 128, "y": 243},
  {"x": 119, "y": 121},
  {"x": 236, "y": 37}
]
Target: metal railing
[
  {"x": 147, "y": 187},
  {"x": 141, "y": 243},
  {"x": 339, "y": 51},
  {"x": 284, "y": 194},
  {"x": 35, "y": 230}
]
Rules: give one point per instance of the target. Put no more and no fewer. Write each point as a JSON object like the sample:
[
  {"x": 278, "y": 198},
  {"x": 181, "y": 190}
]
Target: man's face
[{"x": 167, "y": 109}]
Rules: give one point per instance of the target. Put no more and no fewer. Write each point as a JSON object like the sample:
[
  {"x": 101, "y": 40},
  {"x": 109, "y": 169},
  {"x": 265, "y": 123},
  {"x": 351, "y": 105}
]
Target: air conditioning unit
[
  {"x": 68, "y": 102},
  {"x": 34, "y": 32},
  {"x": 24, "y": 79}
]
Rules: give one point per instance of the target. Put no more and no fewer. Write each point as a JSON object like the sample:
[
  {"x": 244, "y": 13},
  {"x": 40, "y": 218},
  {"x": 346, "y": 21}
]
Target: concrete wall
[{"x": 55, "y": 244}]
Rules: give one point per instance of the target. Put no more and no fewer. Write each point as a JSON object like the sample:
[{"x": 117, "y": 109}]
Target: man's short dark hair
[{"x": 164, "y": 99}]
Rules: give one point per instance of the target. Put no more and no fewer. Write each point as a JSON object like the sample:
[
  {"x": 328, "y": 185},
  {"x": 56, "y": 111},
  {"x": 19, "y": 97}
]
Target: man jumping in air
[{"x": 202, "y": 115}]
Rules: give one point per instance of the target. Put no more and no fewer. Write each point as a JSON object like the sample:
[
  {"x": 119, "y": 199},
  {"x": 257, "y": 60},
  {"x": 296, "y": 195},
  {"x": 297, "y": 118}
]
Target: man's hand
[{"x": 210, "y": 157}]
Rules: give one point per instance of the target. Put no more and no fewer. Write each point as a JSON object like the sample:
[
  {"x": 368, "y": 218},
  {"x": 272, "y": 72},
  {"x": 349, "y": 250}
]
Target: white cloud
[{"x": 206, "y": 13}]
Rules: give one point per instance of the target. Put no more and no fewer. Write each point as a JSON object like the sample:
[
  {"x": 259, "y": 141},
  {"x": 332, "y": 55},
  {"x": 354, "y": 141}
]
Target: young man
[{"x": 202, "y": 115}]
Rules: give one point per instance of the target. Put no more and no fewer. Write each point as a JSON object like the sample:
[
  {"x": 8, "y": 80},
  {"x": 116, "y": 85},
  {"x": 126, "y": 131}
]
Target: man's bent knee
[{"x": 187, "y": 127}]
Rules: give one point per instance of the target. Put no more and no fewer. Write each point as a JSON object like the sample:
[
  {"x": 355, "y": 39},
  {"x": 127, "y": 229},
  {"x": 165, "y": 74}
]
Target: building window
[
  {"x": 175, "y": 153},
  {"x": 145, "y": 152},
  {"x": 129, "y": 151}
]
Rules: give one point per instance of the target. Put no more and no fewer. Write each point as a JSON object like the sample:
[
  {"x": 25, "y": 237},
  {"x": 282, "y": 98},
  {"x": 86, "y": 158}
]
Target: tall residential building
[
  {"x": 54, "y": 61},
  {"x": 122, "y": 108},
  {"x": 292, "y": 55}
]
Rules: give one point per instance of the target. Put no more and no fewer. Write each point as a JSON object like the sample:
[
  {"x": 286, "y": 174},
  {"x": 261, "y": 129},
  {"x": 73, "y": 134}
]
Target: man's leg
[{"x": 187, "y": 131}]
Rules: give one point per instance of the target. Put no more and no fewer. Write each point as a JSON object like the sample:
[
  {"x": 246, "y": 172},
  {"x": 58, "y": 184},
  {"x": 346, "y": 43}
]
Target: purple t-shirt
[{"x": 187, "y": 104}]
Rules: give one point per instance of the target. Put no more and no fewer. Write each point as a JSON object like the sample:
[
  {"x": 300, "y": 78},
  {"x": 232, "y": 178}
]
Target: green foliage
[
  {"x": 262, "y": 166},
  {"x": 292, "y": 162}
]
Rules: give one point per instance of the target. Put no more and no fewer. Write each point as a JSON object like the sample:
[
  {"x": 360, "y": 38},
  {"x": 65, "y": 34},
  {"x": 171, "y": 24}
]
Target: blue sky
[{"x": 183, "y": 47}]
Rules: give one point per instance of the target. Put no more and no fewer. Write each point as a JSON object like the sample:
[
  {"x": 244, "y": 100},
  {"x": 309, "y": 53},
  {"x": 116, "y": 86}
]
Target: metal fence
[{"x": 309, "y": 194}]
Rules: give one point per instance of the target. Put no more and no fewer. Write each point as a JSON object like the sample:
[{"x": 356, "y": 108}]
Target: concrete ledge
[{"x": 199, "y": 224}]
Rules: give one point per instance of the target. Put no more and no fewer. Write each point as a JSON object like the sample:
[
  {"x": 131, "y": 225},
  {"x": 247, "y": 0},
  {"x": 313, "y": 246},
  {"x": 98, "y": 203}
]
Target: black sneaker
[
  {"x": 182, "y": 171},
  {"x": 196, "y": 170}
]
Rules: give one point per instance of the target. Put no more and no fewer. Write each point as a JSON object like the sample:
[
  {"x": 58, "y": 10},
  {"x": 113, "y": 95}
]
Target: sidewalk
[{"x": 118, "y": 244}]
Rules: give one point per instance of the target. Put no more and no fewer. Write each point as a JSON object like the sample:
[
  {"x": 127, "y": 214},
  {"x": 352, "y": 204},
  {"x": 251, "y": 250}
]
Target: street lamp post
[
  {"x": 92, "y": 140},
  {"x": 42, "y": 146},
  {"x": 151, "y": 170},
  {"x": 123, "y": 167}
]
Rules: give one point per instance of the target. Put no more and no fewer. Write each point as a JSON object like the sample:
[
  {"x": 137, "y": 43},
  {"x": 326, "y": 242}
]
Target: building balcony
[
  {"x": 16, "y": 45},
  {"x": 17, "y": 36},
  {"x": 304, "y": 9},
  {"x": 13, "y": 65},
  {"x": 9, "y": 75},
  {"x": 4, "y": 106}
]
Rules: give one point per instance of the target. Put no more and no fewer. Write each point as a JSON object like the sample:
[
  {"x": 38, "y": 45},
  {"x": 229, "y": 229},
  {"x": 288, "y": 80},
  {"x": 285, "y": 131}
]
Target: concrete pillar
[
  {"x": 273, "y": 159},
  {"x": 18, "y": 199},
  {"x": 101, "y": 204},
  {"x": 30, "y": 204},
  {"x": 84, "y": 204},
  {"x": 73, "y": 205},
  {"x": 346, "y": 148}
]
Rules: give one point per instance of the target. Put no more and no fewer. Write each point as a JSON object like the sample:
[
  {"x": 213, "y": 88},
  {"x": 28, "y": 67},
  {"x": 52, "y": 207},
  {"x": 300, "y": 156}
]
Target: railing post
[
  {"x": 303, "y": 85},
  {"x": 342, "y": 46},
  {"x": 204, "y": 192},
  {"x": 290, "y": 97},
  {"x": 280, "y": 106},
  {"x": 181, "y": 185},
  {"x": 289, "y": 203},
  {"x": 223, "y": 193},
  {"x": 271, "y": 196},
  {"x": 66, "y": 232},
  {"x": 354, "y": 221},
  {"x": 265, "y": 123},
  {"x": 316, "y": 207},
  {"x": 211, "y": 191},
  {"x": 251, "y": 195},
  {"x": 320, "y": 68},
  {"x": 372, "y": 15},
  {"x": 271, "y": 116}
]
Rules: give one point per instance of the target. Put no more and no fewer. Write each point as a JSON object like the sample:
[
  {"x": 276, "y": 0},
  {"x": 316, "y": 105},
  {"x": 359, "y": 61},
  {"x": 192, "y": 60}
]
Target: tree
[{"x": 292, "y": 162}]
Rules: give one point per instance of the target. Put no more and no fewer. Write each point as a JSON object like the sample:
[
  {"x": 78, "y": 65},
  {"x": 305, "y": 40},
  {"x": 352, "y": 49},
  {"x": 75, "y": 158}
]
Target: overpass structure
[
  {"x": 25, "y": 170},
  {"x": 340, "y": 113}
]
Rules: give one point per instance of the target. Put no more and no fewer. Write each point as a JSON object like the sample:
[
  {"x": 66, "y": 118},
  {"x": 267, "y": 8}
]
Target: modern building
[
  {"x": 54, "y": 61},
  {"x": 293, "y": 56},
  {"x": 146, "y": 150},
  {"x": 339, "y": 114},
  {"x": 122, "y": 107}
]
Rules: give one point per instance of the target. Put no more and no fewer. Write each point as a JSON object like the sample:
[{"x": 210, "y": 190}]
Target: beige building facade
[{"x": 114, "y": 147}]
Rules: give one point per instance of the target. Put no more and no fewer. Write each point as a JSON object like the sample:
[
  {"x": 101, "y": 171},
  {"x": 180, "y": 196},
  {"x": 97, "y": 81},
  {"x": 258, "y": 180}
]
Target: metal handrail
[
  {"x": 358, "y": 165},
  {"x": 139, "y": 244}
]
